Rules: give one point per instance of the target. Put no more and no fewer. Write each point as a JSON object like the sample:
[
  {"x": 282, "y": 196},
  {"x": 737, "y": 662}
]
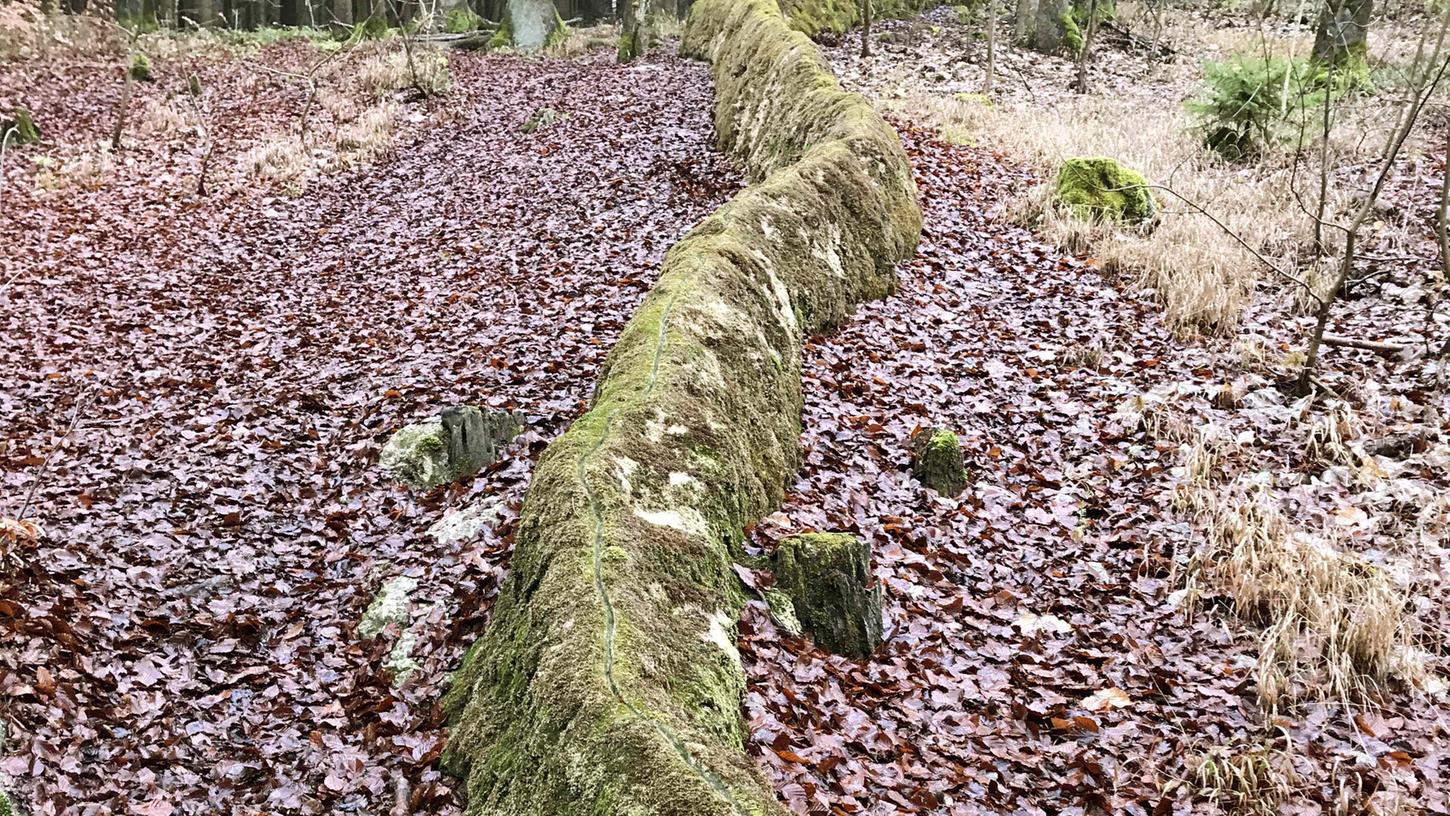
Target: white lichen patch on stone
[
  {"x": 463, "y": 524},
  {"x": 720, "y": 634},
  {"x": 825, "y": 250},
  {"x": 685, "y": 519},
  {"x": 624, "y": 469},
  {"x": 677, "y": 430},
  {"x": 781, "y": 297},
  {"x": 679, "y": 479},
  {"x": 390, "y": 606},
  {"x": 654, "y": 427},
  {"x": 400, "y": 664},
  {"x": 767, "y": 229}
]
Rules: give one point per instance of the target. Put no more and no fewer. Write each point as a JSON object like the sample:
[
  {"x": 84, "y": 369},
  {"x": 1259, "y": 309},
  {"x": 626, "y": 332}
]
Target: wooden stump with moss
[
  {"x": 827, "y": 577},
  {"x": 936, "y": 461}
]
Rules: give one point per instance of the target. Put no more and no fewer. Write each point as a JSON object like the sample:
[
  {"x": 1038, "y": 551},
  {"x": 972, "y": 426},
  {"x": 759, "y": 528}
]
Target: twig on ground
[{"x": 75, "y": 418}]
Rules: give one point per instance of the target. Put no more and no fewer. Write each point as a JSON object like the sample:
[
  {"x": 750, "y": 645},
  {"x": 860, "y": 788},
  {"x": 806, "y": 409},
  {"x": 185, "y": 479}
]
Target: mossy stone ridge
[
  {"x": 817, "y": 17},
  {"x": 608, "y": 681},
  {"x": 936, "y": 461},
  {"x": 1102, "y": 189},
  {"x": 826, "y": 576}
]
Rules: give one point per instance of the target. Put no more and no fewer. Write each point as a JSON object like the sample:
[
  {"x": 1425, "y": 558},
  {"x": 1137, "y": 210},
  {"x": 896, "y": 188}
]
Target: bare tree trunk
[
  {"x": 1343, "y": 31},
  {"x": 124, "y": 105},
  {"x": 1442, "y": 230},
  {"x": 866, "y": 13},
  {"x": 1087, "y": 46},
  {"x": 991, "y": 47}
]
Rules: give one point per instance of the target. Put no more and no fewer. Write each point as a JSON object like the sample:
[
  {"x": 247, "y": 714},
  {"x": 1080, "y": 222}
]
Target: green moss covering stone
[
  {"x": 826, "y": 576},
  {"x": 608, "y": 681},
  {"x": 937, "y": 462},
  {"x": 502, "y": 38},
  {"x": 417, "y": 455},
  {"x": 1102, "y": 189}
]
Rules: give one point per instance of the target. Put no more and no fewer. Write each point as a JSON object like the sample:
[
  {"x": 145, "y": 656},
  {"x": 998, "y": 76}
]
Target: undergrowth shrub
[{"x": 1250, "y": 102}]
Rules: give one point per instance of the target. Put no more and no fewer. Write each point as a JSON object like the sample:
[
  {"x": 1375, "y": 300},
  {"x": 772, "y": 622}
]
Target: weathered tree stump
[
  {"x": 826, "y": 577},
  {"x": 937, "y": 462}
]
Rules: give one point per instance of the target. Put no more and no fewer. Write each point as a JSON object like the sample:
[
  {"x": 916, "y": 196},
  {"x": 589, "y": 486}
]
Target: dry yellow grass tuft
[
  {"x": 1333, "y": 622},
  {"x": 1252, "y": 781},
  {"x": 1204, "y": 276},
  {"x": 385, "y": 73},
  {"x": 368, "y": 135},
  {"x": 280, "y": 157},
  {"x": 161, "y": 118}
]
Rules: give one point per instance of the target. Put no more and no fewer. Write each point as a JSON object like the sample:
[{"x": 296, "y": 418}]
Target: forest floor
[
  {"x": 1175, "y": 586},
  {"x": 196, "y": 389}
]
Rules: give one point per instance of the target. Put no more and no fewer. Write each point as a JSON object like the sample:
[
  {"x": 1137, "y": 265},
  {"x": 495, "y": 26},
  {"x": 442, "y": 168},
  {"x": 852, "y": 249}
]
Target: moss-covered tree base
[{"x": 608, "y": 681}]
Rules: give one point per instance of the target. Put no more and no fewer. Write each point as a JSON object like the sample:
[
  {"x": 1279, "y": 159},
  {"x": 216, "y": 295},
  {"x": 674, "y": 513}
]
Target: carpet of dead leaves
[
  {"x": 194, "y": 390},
  {"x": 1037, "y": 659}
]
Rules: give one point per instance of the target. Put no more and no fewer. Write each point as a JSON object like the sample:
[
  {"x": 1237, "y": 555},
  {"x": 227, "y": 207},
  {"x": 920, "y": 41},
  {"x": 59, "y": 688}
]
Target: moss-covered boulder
[
  {"x": 18, "y": 128},
  {"x": 816, "y": 18},
  {"x": 1102, "y": 189},
  {"x": 608, "y": 680},
  {"x": 826, "y": 576},
  {"x": 936, "y": 461}
]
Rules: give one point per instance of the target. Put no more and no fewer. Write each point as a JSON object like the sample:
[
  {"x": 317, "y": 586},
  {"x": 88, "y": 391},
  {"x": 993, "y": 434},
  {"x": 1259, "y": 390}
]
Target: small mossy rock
[
  {"x": 826, "y": 577},
  {"x": 7, "y": 805},
  {"x": 540, "y": 119},
  {"x": 1102, "y": 189},
  {"x": 936, "y": 461},
  {"x": 461, "y": 442},
  {"x": 140, "y": 67},
  {"x": 373, "y": 28},
  {"x": 19, "y": 128},
  {"x": 417, "y": 455},
  {"x": 501, "y": 38},
  {"x": 475, "y": 438}
]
